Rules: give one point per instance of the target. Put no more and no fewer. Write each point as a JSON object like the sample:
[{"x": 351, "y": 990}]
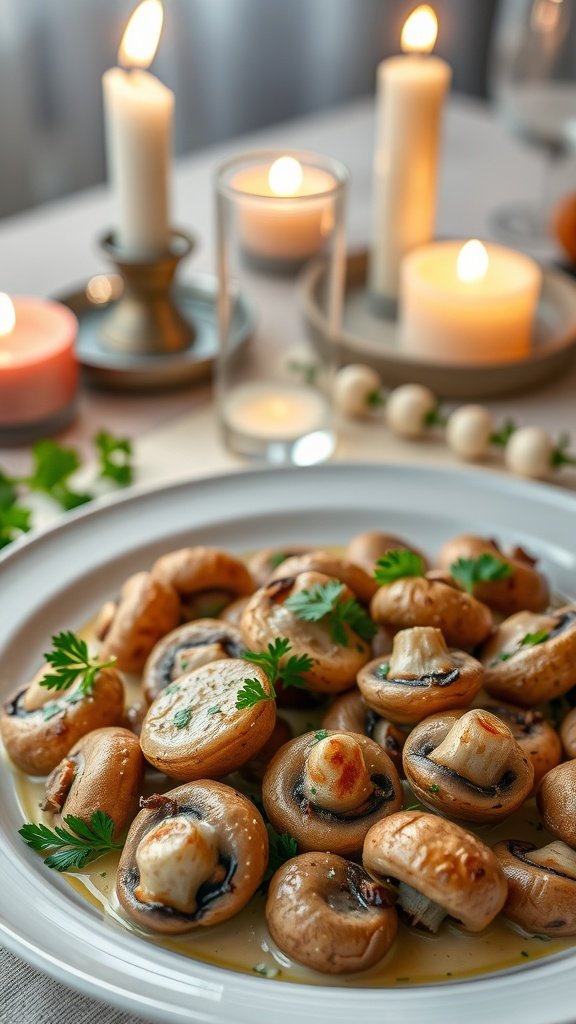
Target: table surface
[{"x": 51, "y": 249}]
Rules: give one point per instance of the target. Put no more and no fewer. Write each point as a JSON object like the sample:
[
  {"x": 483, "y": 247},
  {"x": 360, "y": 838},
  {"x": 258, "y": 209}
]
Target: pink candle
[{"x": 38, "y": 367}]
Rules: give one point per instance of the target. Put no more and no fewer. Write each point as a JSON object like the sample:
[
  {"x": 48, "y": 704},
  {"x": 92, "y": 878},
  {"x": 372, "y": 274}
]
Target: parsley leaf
[
  {"x": 115, "y": 455},
  {"x": 282, "y": 848},
  {"x": 323, "y": 601},
  {"x": 396, "y": 565},
  {"x": 14, "y": 519},
  {"x": 383, "y": 670},
  {"x": 72, "y": 661},
  {"x": 533, "y": 639},
  {"x": 486, "y": 568},
  {"x": 53, "y": 466},
  {"x": 291, "y": 673},
  {"x": 182, "y": 717},
  {"x": 320, "y": 734},
  {"x": 76, "y": 846},
  {"x": 252, "y": 693},
  {"x": 501, "y": 437}
]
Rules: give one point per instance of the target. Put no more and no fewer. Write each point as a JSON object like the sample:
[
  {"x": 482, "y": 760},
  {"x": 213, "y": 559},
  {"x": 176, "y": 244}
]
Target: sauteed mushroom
[
  {"x": 327, "y": 790},
  {"x": 531, "y": 658},
  {"x": 366, "y": 548},
  {"x": 469, "y": 767},
  {"x": 327, "y": 913},
  {"x": 350, "y": 713},
  {"x": 194, "y": 730},
  {"x": 39, "y": 727},
  {"x": 267, "y": 560},
  {"x": 255, "y": 769},
  {"x": 360, "y": 583},
  {"x": 537, "y": 738},
  {"x": 193, "y": 857},
  {"x": 440, "y": 870},
  {"x": 541, "y": 886},
  {"x": 556, "y": 799},
  {"x": 196, "y": 571},
  {"x": 568, "y": 733},
  {"x": 147, "y": 610},
  {"x": 419, "y": 601},
  {"x": 523, "y": 589},
  {"x": 102, "y": 772},
  {"x": 419, "y": 677},
  {"x": 188, "y": 647},
  {"x": 234, "y": 611}
]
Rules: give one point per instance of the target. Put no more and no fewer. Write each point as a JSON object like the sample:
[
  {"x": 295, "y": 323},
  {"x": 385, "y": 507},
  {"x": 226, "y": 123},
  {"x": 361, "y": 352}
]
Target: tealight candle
[
  {"x": 38, "y": 367},
  {"x": 277, "y": 412},
  {"x": 468, "y": 303}
]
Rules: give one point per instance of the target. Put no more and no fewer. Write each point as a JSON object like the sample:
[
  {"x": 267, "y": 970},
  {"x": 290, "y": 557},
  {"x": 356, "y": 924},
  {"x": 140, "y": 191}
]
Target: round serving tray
[{"x": 368, "y": 338}]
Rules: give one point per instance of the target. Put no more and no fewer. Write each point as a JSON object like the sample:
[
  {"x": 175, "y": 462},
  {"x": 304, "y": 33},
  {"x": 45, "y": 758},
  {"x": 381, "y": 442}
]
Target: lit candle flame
[
  {"x": 142, "y": 35},
  {"x": 420, "y": 30},
  {"x": 285, "y": 176},
  {"x": 7, "y": 315},
  {"x": 472, "y": 262}
]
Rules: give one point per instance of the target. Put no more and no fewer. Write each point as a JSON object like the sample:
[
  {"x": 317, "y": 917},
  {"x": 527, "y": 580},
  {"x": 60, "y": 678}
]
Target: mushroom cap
[
  {"x": 540, "y": 900},
  {"x": 266, "y": 617},
  {"x": 533, "y": 733},
  {"x": 255, "y": 769},
  {"x": 450, "y": 866},
  {"x": 102, "y": 772},
  {"x": 243, "y": 855},
  {"x": 366, "y": 548},
  {"x": 568, "y": 733},
  {"x": 360, "y": 583},
  {"x": 318, "y": 913},
  {"x": 315, "y": 828},
  {"x": 532, "y": 674},
  {"x": 210, "y": 736},
  {"x": 191, "y": 570},
  {"x": 418, "y": 601},
  {"x": 523, "y": 589},
  {"x": 188, "y": 647},
  {"x": 146, "y": 611},
  {"x": 443, "y": 788},
  {"x": 556, "y": 799},
  {"x": 234, "y": 611},
  {"x": 350, "y": 713},
  {"x": 266, "y": 561},
  {"x": 37, "y": 743}
]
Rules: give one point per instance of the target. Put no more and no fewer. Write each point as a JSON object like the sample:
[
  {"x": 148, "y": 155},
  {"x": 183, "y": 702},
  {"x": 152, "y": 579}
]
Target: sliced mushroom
[
  {"x": 350, "y": 713},
  {"x": 568, "y": 733},
  {"x": 360, "y": 583},
  {"x": 556, "y": 799},
  {"x": 327, "y": 913},
  {"x": 102, "y": 772},
  {"x": 366, "y": 548},
  {"x": 327, "y": 790},
  {"x": 38, "y": 730},
  {"x": 194, "y": 572},
  {"x": 267, "y": 561},
  {"x": 193, "y": 857},
  {"x": 541, "y": 886},
  {"x": 440, "y": 870},
  {"x": 420, "y": 677},
  {"x": 523, "y": 589},
  {"x": 419, "y": 601},
  {"x": 266, "y": 617},
  {"x": 146, "y": 611},
  {"x": 467, "y": 766},
  {"x": 194, "y": 730},
  {"x": 538, "y": 739},
  {"x": 189, "y": 647},
  {"x": 531, "y": 658}
]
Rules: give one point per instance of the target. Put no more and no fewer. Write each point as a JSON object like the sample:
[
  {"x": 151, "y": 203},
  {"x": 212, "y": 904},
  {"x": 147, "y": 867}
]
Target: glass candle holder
[{"x": 276, "y": 212}]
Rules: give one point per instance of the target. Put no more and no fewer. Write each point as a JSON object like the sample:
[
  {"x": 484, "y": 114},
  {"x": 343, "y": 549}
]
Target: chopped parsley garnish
[
  {"x": 182, "y": 717},
  {"x": 529, "y": 640},
  {"x": 215, "y": 710},
  {"x": 282, "y": 848},
  {"x": 71, "y": 661},
  {"x": 396, "y": 565},
  {"x": 115, "y": 454},
  {"x": 323, "y": 602},
  {"x": 486, "y": 568},
  {"x": 290, "y": 673},
  {"x": 75, "y": 846},
  {"x": 320, "y": 734},
  {"x": 383, "y": 670},
  {"x": 434, "y": 788}
]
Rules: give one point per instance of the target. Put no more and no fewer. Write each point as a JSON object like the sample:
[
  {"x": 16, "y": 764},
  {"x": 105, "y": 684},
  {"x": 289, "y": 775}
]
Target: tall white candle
[
  {"x": 138, "y": 116},
  {"x": 411, "y": 90}
]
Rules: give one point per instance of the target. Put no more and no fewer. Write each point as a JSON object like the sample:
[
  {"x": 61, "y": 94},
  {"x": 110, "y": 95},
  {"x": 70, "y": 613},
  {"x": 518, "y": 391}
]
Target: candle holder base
[
  {"x": 16, "y": 434},
  {"x": 365, "y": 337}
]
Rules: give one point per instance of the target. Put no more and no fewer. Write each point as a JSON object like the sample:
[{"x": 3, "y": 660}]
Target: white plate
[{"x": 59, "y": 578}]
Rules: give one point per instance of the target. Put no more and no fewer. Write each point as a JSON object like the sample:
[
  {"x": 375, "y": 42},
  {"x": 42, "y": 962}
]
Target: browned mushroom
[
  {"x": 266, "y": 617},
  {"x": 568, "y": 733},
  {"x": 418, "y": 601},
  {"x": 467, "y": 766},
  {"x": 193, "y": 857},
  {"x": 541, "y": 886},
  {"x": 327, "y": 913},
  {"x": 358, "y": 581},
  {"x": 194, "y": 730},
  {"x": 267, "y": 560},
  {"x": 440, "y": 870},
  {"x": 39, "y": 728},
  {"x": 366, "y": 548},
  {"x": 556, "y": 799},
  {"x": 255, "y": 769},
  {"x": 234, "y": 611},
  {"x": 350, "y": 713},
  {"x": 146, "y": 611},
  {"x": 205, "y": 579},
  {"x": 533, "y": 733},
  {"x": 522, "y": 589},
  {"x": 419, "y": 677},
  {"x": 190, "y": 646},
  {"x": 326, "y": 789},
  {"x": 531, "y": 658},
  {"x": 102, "y": 772}
]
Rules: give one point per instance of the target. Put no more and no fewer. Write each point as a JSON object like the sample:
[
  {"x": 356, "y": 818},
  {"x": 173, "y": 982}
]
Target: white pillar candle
[
  {"x": 138, "y": 115},
  {"x": 468, "y": 303},
  {"x": 410, "y": 94}
]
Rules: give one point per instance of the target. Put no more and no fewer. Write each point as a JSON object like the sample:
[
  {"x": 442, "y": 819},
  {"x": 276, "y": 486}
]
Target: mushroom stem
[
  {"x": 335, "y": 774},
  {"x": 419, "y": 908},
  {"x": 477, "y": 747},
  {"x": 174, "y": 859},
  {"x": 557, "y": 856},
  {"x": 417, "y": 652}
]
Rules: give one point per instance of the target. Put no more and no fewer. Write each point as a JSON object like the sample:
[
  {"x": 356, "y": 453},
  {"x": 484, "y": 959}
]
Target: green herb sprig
[
  {"x": 282, "y": 847},
  {"x": 115, "y": 454},
  {"x": 486, "y": 568},
  {"x": 323, "y": 602},
  {"x": 396, "y": 565},
  {"x": 291, "y": 673},
  {"x": 71, "y": 661},
  {"x": 528, "y": 640},
  {"x": 76, "y": 846}
]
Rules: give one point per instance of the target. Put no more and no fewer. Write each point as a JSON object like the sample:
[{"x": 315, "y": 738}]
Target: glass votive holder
[{"x": 276, "y": 212}]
